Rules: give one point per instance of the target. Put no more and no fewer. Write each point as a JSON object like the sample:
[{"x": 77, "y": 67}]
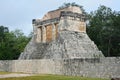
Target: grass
[
  {"x": 2, "y": 73},
  {"x": 52, "y": 77}
]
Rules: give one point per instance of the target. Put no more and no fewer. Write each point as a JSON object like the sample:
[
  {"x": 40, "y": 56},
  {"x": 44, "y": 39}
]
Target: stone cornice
[
  {"x": 46, "y": 22},
  {"x": 64, "y": 14}
]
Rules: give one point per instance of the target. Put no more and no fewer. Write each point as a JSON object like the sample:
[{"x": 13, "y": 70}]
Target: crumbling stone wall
[
  {"x": 86, "y": 67},
  {"x": 47, "y": 32},
  {"x": 56, "y": 13},
  {"x": 45, "y": 29},
  {"x": 51, "y": 32}
]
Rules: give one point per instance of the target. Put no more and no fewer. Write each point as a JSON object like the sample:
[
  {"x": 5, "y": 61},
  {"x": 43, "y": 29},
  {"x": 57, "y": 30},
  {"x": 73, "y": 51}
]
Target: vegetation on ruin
[
  {"x": 72, "y": 4},
  {"x": 52, "y": 77}
]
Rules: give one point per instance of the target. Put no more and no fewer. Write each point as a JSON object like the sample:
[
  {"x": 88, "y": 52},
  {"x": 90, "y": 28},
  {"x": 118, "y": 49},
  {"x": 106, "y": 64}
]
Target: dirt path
[{"x": 14, "y": 75}]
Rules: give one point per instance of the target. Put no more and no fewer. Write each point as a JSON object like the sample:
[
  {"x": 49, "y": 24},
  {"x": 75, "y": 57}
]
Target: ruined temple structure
[
  {"x": 61, "y": 34},
  {"x": 60, "y": 45}
]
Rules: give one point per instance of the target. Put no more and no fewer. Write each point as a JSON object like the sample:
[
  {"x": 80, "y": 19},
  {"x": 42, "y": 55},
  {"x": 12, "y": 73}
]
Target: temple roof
[{"x": 56, "y": 13}]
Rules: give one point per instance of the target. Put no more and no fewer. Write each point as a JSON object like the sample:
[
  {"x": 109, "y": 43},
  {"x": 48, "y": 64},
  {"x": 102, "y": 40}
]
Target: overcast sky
[{"x": 18, "y": 14}]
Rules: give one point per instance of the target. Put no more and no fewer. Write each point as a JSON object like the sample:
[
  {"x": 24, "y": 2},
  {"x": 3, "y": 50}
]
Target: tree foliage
[
  {"x": 11, "y": 43},
  {"x": 104, "y": 29},
  {"x": 72, "y": 4}
]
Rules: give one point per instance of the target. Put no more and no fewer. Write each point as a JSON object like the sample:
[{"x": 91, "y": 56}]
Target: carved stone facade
[{"x": 46, "y": 29}]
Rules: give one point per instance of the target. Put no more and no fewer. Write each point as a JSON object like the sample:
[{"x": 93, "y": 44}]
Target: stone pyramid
[{"x": 61, "y": 34}]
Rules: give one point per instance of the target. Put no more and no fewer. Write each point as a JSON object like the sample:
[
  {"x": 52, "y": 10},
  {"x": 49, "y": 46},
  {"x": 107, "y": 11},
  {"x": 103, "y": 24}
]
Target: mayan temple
[
  {"x": 61, "y": 46},
  {"x": 61, "y": 34}
]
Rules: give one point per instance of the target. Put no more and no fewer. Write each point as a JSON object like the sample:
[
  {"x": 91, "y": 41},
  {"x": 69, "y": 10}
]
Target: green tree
[
  {"x": 11, "y": 43},
  {"x": 3, "y": 32},
  {"x": 104, "y": 29},
  {"x": 20, "y": 41}
]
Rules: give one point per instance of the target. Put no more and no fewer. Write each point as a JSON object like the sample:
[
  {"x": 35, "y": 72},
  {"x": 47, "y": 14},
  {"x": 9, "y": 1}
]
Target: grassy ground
[
  {"x": 52, "y": 77},
  {"x": 2, "y": 73}
]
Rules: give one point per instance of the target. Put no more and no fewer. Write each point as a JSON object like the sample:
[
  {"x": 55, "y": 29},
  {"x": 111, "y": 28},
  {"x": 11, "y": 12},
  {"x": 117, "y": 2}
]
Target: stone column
[
  {"x": 34, "y": 29},
  {"x": 39, "y": 33},
  {"x": 43, "y": 34},
  {"x": 84, "y": 27},
  {"x": 53, "y": 32}
]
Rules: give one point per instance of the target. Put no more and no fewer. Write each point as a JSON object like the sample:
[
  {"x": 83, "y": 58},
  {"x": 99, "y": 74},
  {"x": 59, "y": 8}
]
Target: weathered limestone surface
[
  {"x": 4, "y": 65},
  {"x": 72, "y": 45},
  {"x": 71, "y": 25},
  {"x": 71, "y": 42},
  {"x": 86, "y": 67},
  {"x": 33, "y": 50},
  {"x": 69, "y": 18},
  {"x": 56, "y": 13}
]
